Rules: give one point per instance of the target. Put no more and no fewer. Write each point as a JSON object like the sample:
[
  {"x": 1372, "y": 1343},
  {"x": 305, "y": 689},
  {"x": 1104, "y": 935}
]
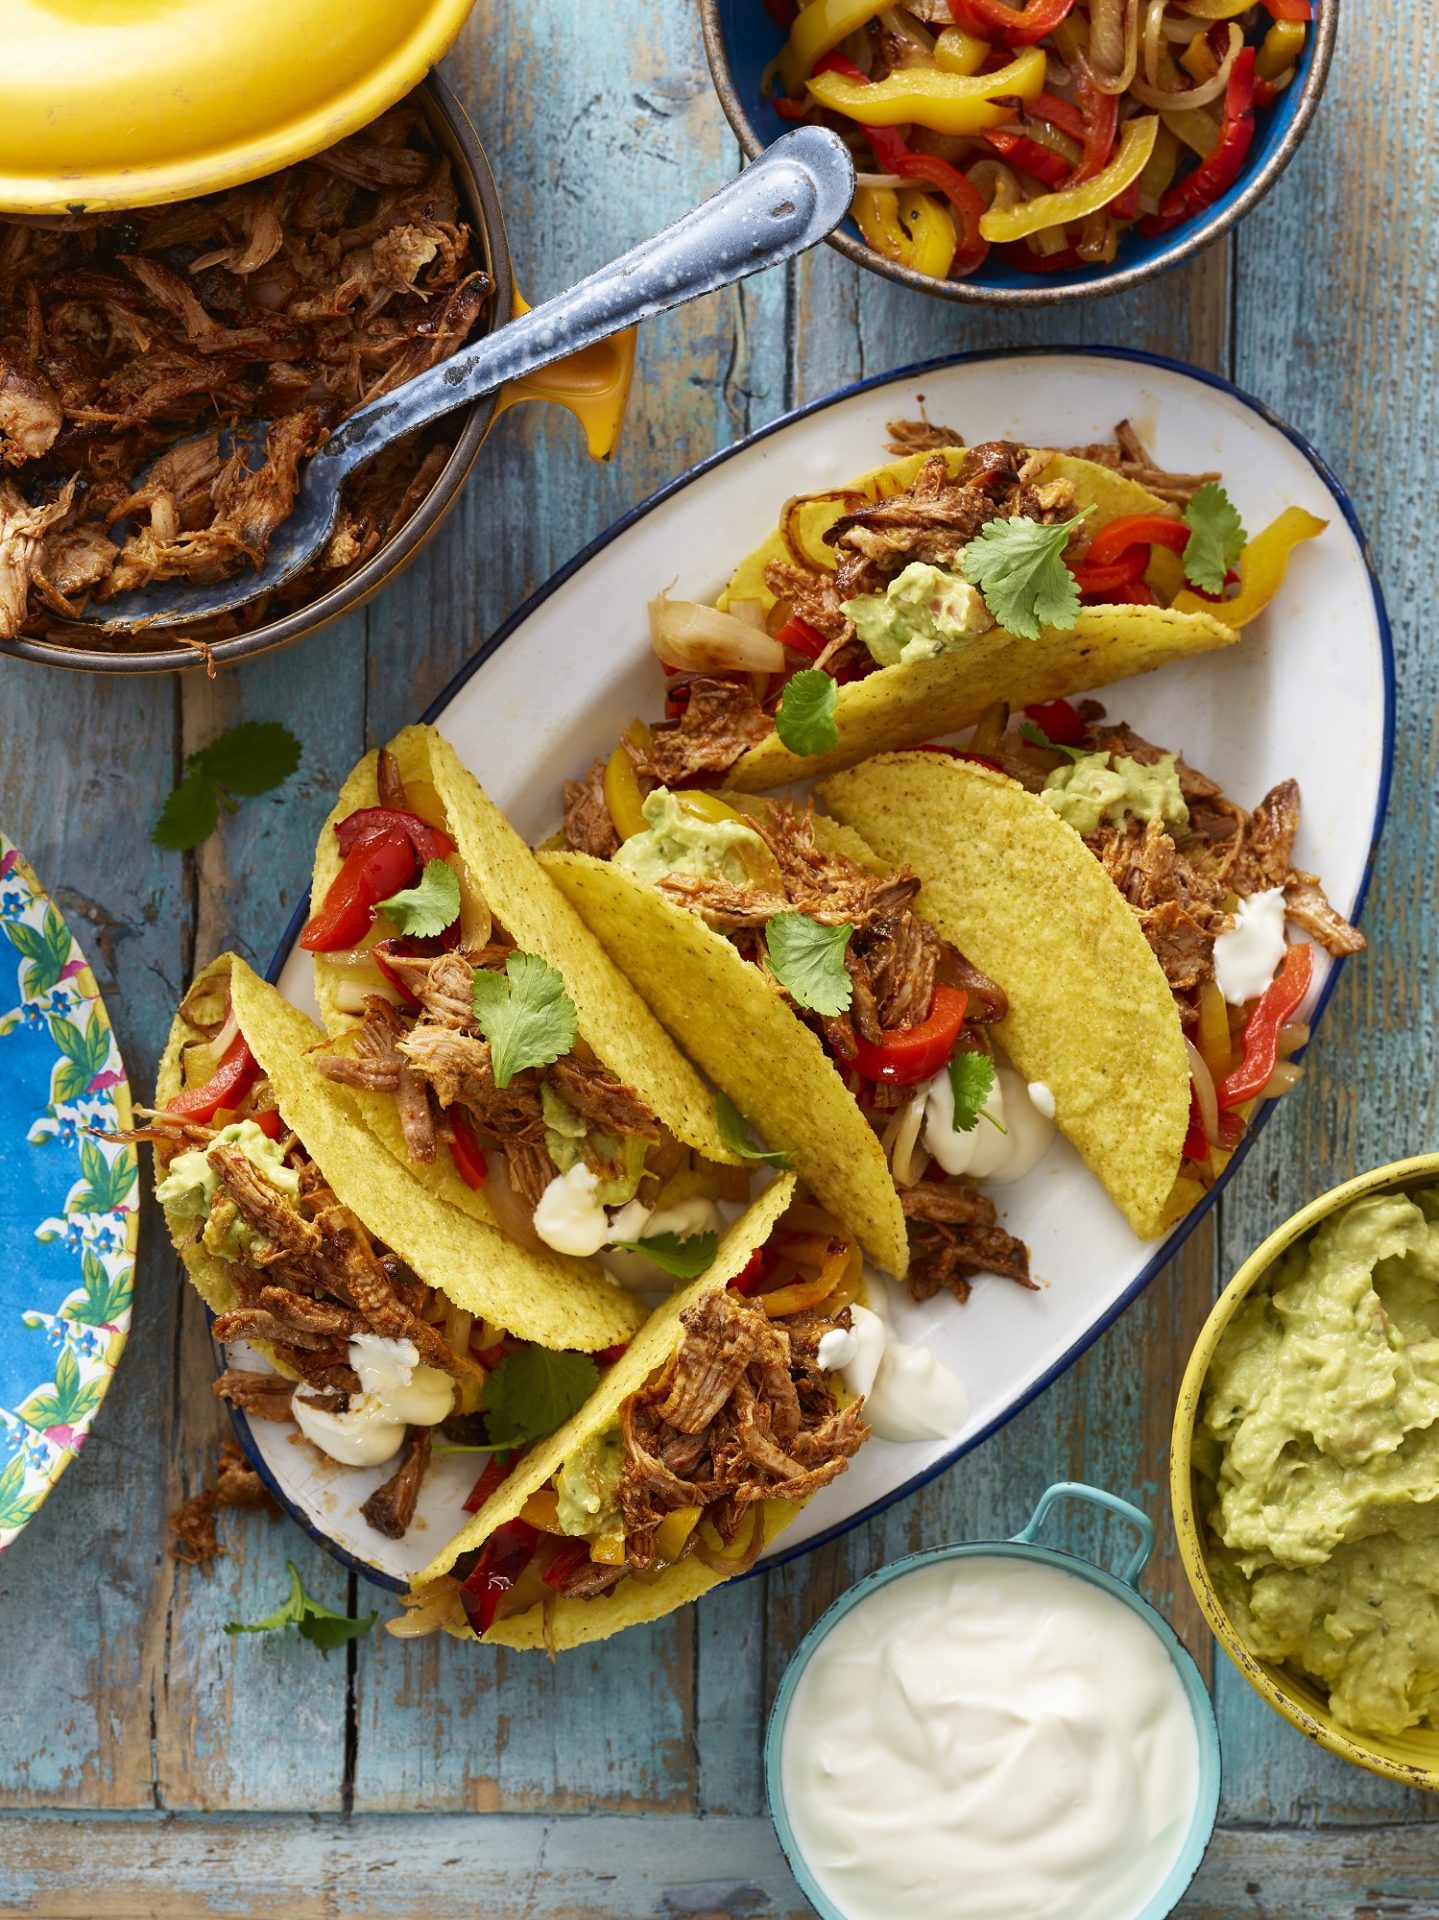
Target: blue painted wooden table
[{"x": 154, "y": 1767}]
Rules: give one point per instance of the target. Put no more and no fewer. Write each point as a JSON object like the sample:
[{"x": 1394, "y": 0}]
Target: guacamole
[
  {"x": 1100, "y": 789},
  {"x": 617, "y": 1162},
  {"x": 1319, "y": 1438},
  {"x": 922, "y": 613},
  {"x": 588, "y": 1485},
  {"x": 190, "y": 1183},
  {"x": 678, "y": 841}
]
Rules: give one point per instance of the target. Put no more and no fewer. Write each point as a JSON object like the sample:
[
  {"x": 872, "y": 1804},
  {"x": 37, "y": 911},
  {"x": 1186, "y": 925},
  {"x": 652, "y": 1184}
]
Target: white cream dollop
[
  {"x": 568, "y": 1217},
  {"x": 838, "y": 1348},
  {"x": 396, "y": 1392},
  {"x": 1246, "y": 956},
  {"x": 1041, "y": 1099},
  {"x": 636, "y": 1222},
  {"x": 1012, "y": 1134},
  {"x": 908, "y": 1393}
]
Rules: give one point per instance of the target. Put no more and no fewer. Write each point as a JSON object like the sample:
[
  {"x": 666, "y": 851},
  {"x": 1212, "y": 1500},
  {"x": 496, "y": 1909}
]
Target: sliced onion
[
  {"x": 1204, "y": 1091},
  {"x": 700, "y": 639},
  {"x": 227, "y": 1033},
  {"x": 891, "y": 180},
  {"x": 1153, "y": 34},
  {"x": 998, "y": 183},
  {"x": 902, "y": 1137},
  {"x": 513, "y": 1213},
  {"x": 1293, "y": 1035},
  {"x": 436, "y": 1603},
  {"x": 905, "y": 27},
  {"x": 1286, "y": 1075},
  {"x": 1199, "y": 96},
  {"x": 1113, "y": 43},
  {"x": 351, "y": 994},
  {"x": 734, "y": 1559}
]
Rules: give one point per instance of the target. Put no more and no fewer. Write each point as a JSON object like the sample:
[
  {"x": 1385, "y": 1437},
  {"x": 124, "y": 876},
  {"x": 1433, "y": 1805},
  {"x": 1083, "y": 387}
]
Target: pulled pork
[
  {"x": 233, "y": 1483},
  {"x": 953, "y": 1236},
  {"x": 130, "y": 341}
]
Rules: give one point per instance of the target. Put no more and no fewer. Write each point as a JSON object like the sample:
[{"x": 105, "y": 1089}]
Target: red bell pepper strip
[
  {"x": 1025, "y": 260},
  {"x": 1101, "y": 124},
  {"x": 1288, "y": 9},
  {"x": 1042, "y": 162},
  {"x": 573, "y": 1555},
  {"x": 368, "y": 824},
  {"x": 1125, "y": 204},
  {"x": 226, "y": 1087},
  {"x": 1138, "y": 594},
  {"x": 607, "y": 1356},
  {"x": 957, "y": 753},
  {"x": 505, "y": 1555},
  {"x": 782, "y": 12},
  {"x": 917, "y": 1053},
  {"x": 465, "y": 1149},
  {"x": 1261, "y": 1035},
  {"x": 788, "y": 109},
  {"x": 375, "y": 870},
  {"x": 800, "y": 637},
  {"x": 1116, "y": 575},
  {"x": 380, "y": 953},
  {"x": 1219, "y": 169},
  {"x": 751, "y": 1274},
  {"x": 993, "y": 20},
  {"x": 269, "y": 1123},
  {"x": 1197, "y": 1146},
  {"x": 1132, "y": 530},
  {"x": 1059, "y": 113},
  {"x": 1059, "y": 721},
  {"x": 494, "y": 1476}
]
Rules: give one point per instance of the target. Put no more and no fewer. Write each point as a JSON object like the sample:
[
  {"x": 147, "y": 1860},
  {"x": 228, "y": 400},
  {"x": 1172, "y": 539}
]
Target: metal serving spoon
[{"x": 787, "y": 201}]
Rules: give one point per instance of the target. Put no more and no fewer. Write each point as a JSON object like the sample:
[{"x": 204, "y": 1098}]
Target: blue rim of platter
[
  {"x": 71, "y": 1202},
  {"x": 923, "y": 369}
]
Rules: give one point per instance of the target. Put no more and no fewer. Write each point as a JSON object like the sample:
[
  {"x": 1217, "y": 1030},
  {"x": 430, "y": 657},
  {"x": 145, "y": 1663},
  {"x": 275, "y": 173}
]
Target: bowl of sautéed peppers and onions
[{"x": 1031, "y": 150}]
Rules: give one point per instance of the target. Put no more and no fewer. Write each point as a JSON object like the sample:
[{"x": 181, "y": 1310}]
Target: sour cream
[
  {"x": 1012, "y": 1134},
  {"x": 639, "y": 1222},
  {"x": 568, "y": 1217},
  {"x": 1245, "y": 958},
  {"x": 908, "y": 1393},
  {"x": 990, "y": 1736},
  {"x": 396, "y": 1393}
]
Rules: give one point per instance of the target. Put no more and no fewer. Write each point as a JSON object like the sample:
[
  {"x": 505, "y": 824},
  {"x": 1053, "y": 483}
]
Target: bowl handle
[
  {"x": 594, "y": 384},
  {"x": 1077, "y": 1490}
]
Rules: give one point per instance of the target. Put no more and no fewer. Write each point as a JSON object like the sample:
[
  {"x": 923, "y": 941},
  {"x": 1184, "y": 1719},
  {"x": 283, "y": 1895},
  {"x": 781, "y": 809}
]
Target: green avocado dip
[
  {"x": 1099, "y": 789},
  {"x": 677, "y": 840},
  {"x": 922, "y": 613},
  {"x": 1319, "y": 1438}
]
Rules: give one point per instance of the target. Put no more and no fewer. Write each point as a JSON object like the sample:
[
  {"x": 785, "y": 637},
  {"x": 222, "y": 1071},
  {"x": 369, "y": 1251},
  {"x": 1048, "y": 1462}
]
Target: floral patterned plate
[{"x": 68, "y": 1203}]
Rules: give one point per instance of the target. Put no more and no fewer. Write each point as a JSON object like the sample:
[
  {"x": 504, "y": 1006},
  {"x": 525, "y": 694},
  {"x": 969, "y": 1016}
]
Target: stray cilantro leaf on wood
[
  {"x": 1216, "y": 537},
  {"x": 808, "y": 959},
  {"x": 1018, "y": 565},
  {"x": 525, "y": 1014},
  {"x": 683, "y": 1259},
  {"x": 532, "y": 1391},
  {"x": 428, "y": 908},
  {"x": 805, "y": 718},
  {"x": 1031, "y": 731},
  {"x": 971, "y": 1081},
  {"x": 248, "y": 759},
  {"x": 735, "y": 1130},
  {"x": 321, "y": 1626}
]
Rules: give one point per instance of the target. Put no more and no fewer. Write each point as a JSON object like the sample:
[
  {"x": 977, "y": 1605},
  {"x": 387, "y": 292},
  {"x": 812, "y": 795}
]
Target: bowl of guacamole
[{"x": 1305, "y": 1470}]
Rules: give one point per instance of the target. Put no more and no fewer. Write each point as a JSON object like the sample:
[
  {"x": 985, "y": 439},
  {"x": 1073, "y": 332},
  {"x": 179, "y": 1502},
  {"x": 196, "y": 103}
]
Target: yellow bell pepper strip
[
  {"x": 1213, "y": 1040},
  {"x": 1162, "y": 165},
  {"x": 927, "y": 97},
  {"x": 1278, "y": 51},
  {"x": 758, "y": 862},
  {"x": 876, "y": 214},
  {"x": 1136, "y": 144},
  {"x": 621, "y": 785},
  {"x": 959, "y": 52},
  {"x": 1261, "y": 568},
  {"x": 1217, "y": 9},
  {"x": 930, "y": 226},
  {"x": 673, "y": 1531},
  {"x": 820, "y": 28}
]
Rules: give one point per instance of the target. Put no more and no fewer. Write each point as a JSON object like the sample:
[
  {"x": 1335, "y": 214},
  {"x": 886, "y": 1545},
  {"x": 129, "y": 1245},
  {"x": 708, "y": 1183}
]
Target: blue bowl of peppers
[{"x": 743, "y": 42}]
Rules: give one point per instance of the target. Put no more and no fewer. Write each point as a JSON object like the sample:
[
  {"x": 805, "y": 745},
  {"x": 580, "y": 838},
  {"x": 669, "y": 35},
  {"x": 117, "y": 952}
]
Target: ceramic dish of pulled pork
[{"x": 1306, "y": 698}]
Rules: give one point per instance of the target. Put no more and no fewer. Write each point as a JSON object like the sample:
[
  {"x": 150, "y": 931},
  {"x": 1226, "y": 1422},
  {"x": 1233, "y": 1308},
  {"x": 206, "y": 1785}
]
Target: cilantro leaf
[
  {"x": 683, "y": 1259},
  {"x": 808, "y": 959},
  {"x": 321, "y": 1626},
  {"x": 532, "y": 1391},
  {"x": 1018, "y": 565},
  {"x": 971, "y": 1081},
  {"x": 189, "y": 815},
  {"x": 525, "y": 1014},
  {"x": 1031, "y": 731},
  {"x": 1216, "y": 537},
  {"x": 735, "y": 1131},
  {"x": 429, "y": 907},
  {"x": 805, "y": 719},
  {"x": 248, "y": 759}
]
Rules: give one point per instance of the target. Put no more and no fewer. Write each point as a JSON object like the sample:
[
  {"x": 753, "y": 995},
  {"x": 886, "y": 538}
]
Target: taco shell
[
  {"x": 544, "y": 1297},
  {"x": 748, "y": 1041},
  {"x": 920, "y": 700},
  {"x": 1017, "y": 891},
  {"x": 624, "y": 1033},
  {"x": 574, "y": 1622}
]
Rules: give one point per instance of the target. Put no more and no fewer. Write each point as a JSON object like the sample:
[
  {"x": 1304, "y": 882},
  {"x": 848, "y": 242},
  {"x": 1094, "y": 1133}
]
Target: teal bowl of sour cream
[{"x": 995, "y": 1728}]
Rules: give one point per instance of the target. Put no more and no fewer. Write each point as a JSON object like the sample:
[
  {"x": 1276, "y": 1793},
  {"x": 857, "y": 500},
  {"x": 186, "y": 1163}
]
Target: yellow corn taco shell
[
  {"x": 748, "y": 1041},
  {"x": 573, "y": 1622},
  {"x": 555, "y": 1301},
  {"x": 1018, "y": 892},
  {"x": 624, "y": 1033},
  {"x": 919, "y": 700}
]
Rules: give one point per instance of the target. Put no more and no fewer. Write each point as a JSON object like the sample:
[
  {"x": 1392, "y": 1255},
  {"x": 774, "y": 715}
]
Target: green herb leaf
[
  {"x": 322, "y": 1626},
  {"x": 1031, "y": 731},
  {"x": 808, "y": 959},
  {"x": 683, "y": 1259},
  {"x": 248, "y": 759},
  {"x": 971, "y": 1081},
  {"x": 429, "y": 907},
  {"x": 735, "y": 1131},
  {"x": 1018, "y": 565},
  {"x": 532, "y": 1391},
  {"x": 1216, "y": 537},
  {"x": 525, "y": 1014},
  {"x": 805, "y": 719}
]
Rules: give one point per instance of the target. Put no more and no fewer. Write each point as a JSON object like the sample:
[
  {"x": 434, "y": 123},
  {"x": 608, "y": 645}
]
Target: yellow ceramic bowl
[{"x": 1411, "y": 1758}]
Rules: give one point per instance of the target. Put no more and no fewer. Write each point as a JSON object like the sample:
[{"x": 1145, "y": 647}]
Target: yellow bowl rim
[{"x": 1268, "y": 1681}]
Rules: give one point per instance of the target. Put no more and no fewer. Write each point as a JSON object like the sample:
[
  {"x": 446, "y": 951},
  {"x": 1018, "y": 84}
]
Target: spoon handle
[{"x": 786, "y": 201}]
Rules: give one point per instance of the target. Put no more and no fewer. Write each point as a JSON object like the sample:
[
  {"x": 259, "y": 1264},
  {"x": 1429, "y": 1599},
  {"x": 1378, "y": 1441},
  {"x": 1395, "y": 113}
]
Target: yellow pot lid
[{"x": 124, "y": 103}]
